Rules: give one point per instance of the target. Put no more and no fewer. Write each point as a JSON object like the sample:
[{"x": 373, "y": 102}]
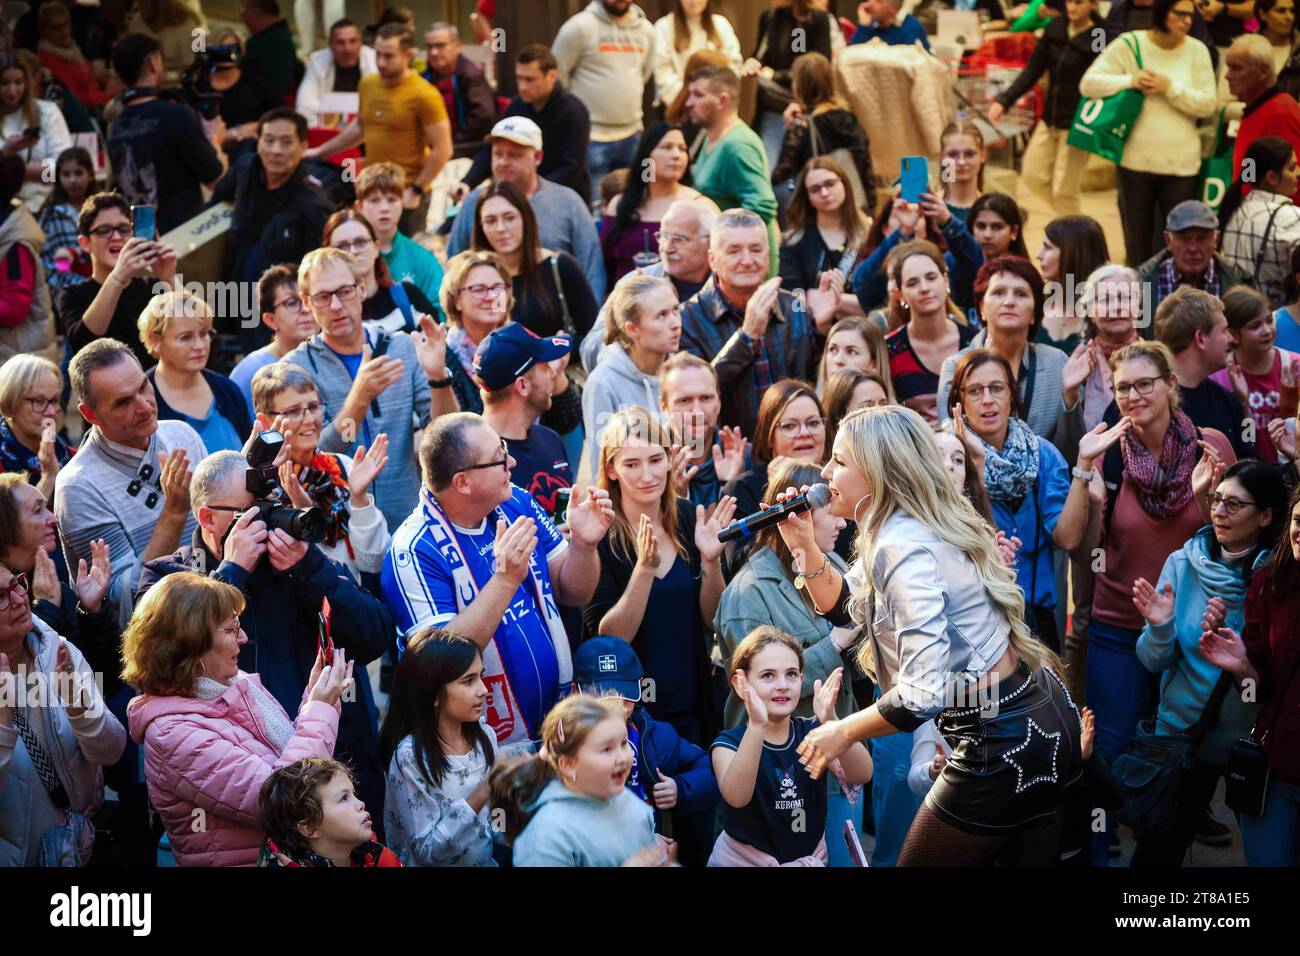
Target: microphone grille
[{"x": 819, "y": 496}]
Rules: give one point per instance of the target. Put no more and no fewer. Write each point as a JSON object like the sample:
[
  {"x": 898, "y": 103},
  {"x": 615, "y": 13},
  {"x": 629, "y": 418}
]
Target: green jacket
[
  {"x": 1229, "y": 276},
  {"x": 762, "y": 593}
]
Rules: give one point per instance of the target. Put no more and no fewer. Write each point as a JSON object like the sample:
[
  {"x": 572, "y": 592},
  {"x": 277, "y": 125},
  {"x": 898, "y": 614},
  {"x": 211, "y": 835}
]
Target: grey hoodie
[
  {"x": 607, "y": 65},
  {"x": 568, "y": 829},
  {"x": 613, "y": 385}
]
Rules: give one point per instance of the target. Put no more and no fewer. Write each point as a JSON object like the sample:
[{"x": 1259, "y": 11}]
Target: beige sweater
[{"x": 1164, "y": 138}]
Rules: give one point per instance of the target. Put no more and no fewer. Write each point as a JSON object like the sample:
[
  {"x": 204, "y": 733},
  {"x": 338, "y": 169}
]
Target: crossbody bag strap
[
  {"x": 41, "y": 761},
  {"x": 1211, "y": 711},
  {"x": 564, "y": 303},
  {"x": 1263, "y": 243}
]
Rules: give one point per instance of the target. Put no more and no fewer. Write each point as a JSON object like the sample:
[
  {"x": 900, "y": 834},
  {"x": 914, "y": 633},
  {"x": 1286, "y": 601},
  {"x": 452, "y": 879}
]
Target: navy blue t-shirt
[
  {"x": 786, "y": 818},
  {"x": 541, "y": 465}
]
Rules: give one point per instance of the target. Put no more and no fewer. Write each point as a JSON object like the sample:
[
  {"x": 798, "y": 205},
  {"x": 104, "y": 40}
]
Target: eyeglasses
[
  {"x": 345, "y": 293},
  {"x": 17, "y": 588},
  {"x": 1231, "y": 505},
  {"x": 295, "y": 414},
  {"x": 823, "y": 187},
  {"x": 975, "y": 392},
  {"x": 40, "y": 403},
  {"x": 234, "y": 628},
  {"x": 122, "y": 229},
  {"x": 1143, "y": 386},
  {"x": 1185, "y": 15},
  {"x": 293, "y": 304},
  {"x": 480, "y": 291},
  {"x": 503, "y": 462},
  {"x": 672, "y": 238},
  {"x": 812, "y": 426},
  {"x": 353, "y": 245}
]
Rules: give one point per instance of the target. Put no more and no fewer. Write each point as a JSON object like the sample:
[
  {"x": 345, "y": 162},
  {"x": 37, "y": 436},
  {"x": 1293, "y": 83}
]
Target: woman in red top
[{"x": 1266, "y": 655}]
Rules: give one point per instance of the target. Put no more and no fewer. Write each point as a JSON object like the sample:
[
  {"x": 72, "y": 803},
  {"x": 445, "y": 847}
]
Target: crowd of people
[{"x": 438, "y": 542}]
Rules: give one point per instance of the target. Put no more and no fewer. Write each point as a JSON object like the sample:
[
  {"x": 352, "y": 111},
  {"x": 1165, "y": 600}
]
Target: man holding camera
[
  {"x": 284, "y": 581},
  {"x": 161, "y": 153}
]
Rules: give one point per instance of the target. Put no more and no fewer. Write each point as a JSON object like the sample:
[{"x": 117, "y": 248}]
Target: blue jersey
[{"x": 419, "y": 582}]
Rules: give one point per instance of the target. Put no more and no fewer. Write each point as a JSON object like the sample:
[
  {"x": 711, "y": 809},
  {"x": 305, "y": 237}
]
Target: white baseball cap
[{"x": 518, "y": 129}]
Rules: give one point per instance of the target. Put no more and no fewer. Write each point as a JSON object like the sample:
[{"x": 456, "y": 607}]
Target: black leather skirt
[{"x": 1011, "y": 759}]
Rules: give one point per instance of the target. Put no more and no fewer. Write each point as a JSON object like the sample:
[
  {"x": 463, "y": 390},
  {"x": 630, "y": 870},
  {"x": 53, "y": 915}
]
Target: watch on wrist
[
  {"x": 440, "y": 382},
  {"x": 1078, "y": 472},
  {"x": 415, "y": 188}
]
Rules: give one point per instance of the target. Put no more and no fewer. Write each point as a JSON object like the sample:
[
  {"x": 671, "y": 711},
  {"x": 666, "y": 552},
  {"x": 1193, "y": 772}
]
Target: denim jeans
[
  {"x": 604, "y": 158},
  {"x": 893, "y": 804},
  {"x": 1119, "y": 693},
  {"x": 1273, "y": 838}
]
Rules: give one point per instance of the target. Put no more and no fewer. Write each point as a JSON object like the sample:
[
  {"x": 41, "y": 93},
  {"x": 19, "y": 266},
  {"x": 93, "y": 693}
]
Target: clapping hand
[
  {"x": 431, "y": 347},
  {"x": 683, "y": 471},
  {"x": 366, "y": 466},
  {"x": 513, "y": 549},
  {"x": 825, "y": 299},
  {"x": 591, "y": 520},
  {"x": 298, "y": 496},
  {"x": 1087, "y": 732},
  {"x": 755, "y": 708},
  {"x": 1156, "y": 606},
  {"x": 974, "y": 447},
  {"x": 92, "y": 582},
  {"x": 729, "y": 460},
  {"x": 175, "y": 478},
  {"x": 47, "y": 454},
  {"x": 1208, "y": 472},
  {"x": 825, "y": 693},
  {"x": 70, "y": 685},
  {"x": 709, "y": 526},
  {"x": 1076, "y": 371},
  {"x": 1095, "y": 443},
  {"x": 1240, "y": 387},
  {"x": 1282, "y": 437},
  {"x": 45, "y": 579},
  {"x": 647, "y": 545}
]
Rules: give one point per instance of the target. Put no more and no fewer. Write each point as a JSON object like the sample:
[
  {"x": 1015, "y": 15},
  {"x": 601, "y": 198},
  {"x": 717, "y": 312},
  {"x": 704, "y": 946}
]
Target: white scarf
[{"x": 443, "y": 537}]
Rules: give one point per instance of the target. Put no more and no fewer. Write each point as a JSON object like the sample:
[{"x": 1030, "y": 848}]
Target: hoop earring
[{"x": 865, "y": 497}]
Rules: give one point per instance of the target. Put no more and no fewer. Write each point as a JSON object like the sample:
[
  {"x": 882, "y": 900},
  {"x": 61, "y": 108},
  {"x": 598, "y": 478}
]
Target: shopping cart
[{"x": 977, "y": 81}]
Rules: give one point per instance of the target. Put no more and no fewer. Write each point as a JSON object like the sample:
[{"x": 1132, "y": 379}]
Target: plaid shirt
[
  {"x": 711, "y": 330},
  {"x": 60, "y": 226},
  {"x": 1168, "y": 278},
  {"x": 1258, "y": 241}
]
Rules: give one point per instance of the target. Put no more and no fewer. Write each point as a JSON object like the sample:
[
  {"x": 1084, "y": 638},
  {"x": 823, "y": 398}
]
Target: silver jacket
[{"x": 933, "y": 629}]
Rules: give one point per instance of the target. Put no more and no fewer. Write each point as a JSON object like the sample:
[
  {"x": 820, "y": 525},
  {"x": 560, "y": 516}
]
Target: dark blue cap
[
  {"x": 510, "y": 351},
  {"x": 609, "y": 663}
]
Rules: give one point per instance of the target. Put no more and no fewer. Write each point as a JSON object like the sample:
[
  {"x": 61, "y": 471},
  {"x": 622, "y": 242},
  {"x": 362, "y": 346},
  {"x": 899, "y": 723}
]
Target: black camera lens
[{"x": 305, "y": 524}]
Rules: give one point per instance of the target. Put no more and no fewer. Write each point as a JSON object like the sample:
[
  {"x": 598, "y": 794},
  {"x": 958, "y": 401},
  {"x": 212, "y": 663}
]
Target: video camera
[
  {"x": 196, "y": 81},
  {"x": 263, "y": 482}
]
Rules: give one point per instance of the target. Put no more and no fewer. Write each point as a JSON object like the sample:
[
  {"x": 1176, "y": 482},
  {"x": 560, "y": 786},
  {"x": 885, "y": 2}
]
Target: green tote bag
[
  {"x": 1102, "y": 126},
  {"x": 1215, "y": 177}
]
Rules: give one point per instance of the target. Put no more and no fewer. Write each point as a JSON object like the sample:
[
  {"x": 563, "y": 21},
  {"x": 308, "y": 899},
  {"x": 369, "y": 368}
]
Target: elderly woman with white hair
[
  {"x": 31, "y": 410},
  {"x": 176, "y": 329}
]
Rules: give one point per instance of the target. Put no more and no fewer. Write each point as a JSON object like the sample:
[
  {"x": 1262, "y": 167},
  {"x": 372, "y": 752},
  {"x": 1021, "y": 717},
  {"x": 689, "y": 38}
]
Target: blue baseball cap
[
  {"x": 609, "y": 663},
  {"x": 510, "y": 351}
]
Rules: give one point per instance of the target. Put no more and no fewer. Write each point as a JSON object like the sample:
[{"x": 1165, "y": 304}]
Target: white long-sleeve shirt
[
  {"x": 670, "y": 62},
  {"x": 1164, "y": 140}
]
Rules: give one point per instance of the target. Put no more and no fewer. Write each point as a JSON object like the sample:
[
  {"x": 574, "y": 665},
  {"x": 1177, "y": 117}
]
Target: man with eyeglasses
[
  {"x": 284, "y": 582},
  {"x": 280, "y": 208},
  {"x": 370, "y": 381},
  {"x": 286, "y": 314},
  {"x": 479, "y": 557},
  {"x": 683, "y": 239},
  {"x": 125, "y": 269}
]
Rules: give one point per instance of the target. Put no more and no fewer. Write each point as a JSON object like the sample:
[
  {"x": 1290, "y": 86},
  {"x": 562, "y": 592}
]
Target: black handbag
[
  {"x": 1153, "y": 767},
  {"x": 1248, "y": 771}
]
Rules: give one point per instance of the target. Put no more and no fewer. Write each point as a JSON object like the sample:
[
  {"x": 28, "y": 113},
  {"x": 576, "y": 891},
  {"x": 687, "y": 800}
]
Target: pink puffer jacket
[{"x": 206, "y": 760}]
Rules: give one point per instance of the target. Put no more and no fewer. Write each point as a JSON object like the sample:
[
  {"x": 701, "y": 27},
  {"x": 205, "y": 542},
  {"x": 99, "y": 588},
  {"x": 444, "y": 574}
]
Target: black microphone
[{"x": 817, "y": 496}]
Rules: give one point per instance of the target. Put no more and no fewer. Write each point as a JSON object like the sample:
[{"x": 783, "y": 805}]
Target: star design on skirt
[{"x": 1034, "y": 762}]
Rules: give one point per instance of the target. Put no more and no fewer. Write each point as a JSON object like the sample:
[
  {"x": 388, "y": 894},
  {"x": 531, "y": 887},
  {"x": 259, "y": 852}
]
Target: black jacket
[
  {"x": 270, "y": 226},
  {"x": 280, "y": 619},
  {"x": 836, "y": 129},
  {"x": 473, "y": 105},
  {"x": 1064, "y": 59},
  {"x": 566, "y": 129}
]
